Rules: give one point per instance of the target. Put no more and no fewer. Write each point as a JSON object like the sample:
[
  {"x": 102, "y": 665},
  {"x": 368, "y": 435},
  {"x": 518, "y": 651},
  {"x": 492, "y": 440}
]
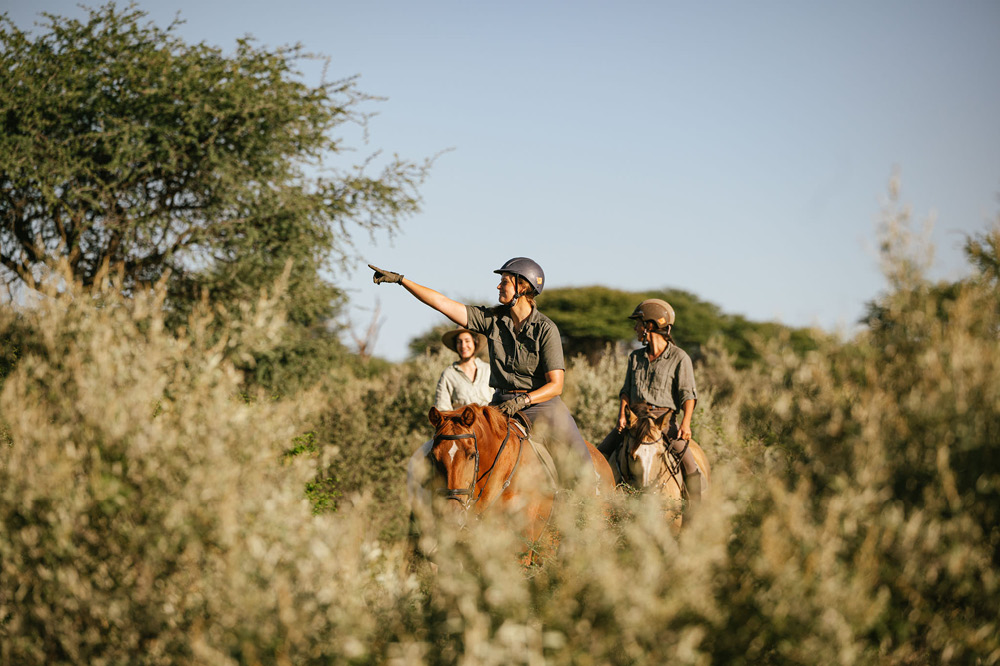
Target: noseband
[
  {"x": 469, "y": 493},
  {"x": 458, "y": 493}
]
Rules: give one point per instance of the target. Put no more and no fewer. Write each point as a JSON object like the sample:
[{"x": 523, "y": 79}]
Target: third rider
[{"x": 659, "y": 379}]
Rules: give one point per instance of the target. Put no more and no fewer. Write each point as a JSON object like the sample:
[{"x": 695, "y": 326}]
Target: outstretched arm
[{"x": 451, "y": 309}]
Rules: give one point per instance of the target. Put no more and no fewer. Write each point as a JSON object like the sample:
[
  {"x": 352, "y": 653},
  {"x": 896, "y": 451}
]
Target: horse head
[
  {"x": 456, "y": 452},
  {"x": 646, "y": 449}
]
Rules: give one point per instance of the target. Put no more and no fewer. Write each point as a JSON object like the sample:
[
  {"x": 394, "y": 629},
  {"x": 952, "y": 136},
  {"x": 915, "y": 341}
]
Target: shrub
[{"x": 150, "y": 513}]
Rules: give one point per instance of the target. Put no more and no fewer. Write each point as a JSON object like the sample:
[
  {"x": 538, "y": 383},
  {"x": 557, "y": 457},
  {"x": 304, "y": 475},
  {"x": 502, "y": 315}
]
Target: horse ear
[
  {"x": 434, "y": 416},
  {"x": 468, "y": 415},
  {"x": 660, "y": 419},
  {"x": 630, "y": 417}
]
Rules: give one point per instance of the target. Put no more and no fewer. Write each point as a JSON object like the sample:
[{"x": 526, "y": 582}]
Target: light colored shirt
[
  {"x": 455, "y": 389},
  {"x": 666, "y": 381}
]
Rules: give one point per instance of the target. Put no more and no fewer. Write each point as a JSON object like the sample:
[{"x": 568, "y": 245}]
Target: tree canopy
[
  {"x": 591, "y": 318},
  {"x": 124, "y": 148}
]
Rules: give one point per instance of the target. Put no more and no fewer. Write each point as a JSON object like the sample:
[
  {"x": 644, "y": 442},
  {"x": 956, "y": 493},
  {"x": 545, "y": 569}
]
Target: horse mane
[
  {"x": 492, "y": 419},
  {"x": 644, "y": 428},
  {"x": 488, "y": 422}
]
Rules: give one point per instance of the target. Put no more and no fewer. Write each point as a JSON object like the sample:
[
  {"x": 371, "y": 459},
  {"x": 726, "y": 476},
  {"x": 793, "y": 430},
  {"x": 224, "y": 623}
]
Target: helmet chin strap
[
  {"x": 647, "y": 339},
  {"x": 517, "y": 293}
]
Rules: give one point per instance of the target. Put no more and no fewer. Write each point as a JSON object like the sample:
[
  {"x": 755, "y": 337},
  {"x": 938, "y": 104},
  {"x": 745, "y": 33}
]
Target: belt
[
  {"x": 647, "y": 407},
  {"x": 512, "y": 390}
]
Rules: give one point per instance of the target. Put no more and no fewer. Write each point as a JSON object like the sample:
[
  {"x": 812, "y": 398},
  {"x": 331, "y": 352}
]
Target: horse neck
[{"x": 493, "y": 471}]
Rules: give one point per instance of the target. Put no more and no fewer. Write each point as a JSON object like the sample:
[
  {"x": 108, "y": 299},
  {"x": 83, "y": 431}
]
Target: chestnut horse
[
  {"x": 646, "y": 462},
  {"x": 482, "y": 461}
]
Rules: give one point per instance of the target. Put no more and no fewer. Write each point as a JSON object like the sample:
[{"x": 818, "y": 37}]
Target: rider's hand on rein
[
  {"x": 385, "y": 276},
  {"x": 514, "y": 405}
]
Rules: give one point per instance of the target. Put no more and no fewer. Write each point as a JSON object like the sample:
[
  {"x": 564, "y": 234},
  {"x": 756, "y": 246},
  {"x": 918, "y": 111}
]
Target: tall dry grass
[{"x": 150, "y": 513}]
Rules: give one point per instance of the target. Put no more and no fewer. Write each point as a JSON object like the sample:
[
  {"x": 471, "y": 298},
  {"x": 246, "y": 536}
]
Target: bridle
[
  {"x": 468, "y": 493},
  {"x": 671, "y": 458}
]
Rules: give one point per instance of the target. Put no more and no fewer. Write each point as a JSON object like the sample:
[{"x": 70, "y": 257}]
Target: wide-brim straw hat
[{"x": 450, "y": 339}]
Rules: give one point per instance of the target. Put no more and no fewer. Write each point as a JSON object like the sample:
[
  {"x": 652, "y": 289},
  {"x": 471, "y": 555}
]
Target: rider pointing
[
  {"x": 526, "y": 357},
  {"x": 659, "y": 379}
]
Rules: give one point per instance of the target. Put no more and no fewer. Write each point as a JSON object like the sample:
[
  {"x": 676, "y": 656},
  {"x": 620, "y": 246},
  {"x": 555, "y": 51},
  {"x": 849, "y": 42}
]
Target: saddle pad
[{"x": 544, "y": 457}]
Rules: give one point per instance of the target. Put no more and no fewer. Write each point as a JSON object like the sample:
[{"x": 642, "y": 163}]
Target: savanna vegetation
[
  {"x": 122, "y": 146},
  {"x": 164, "y": 501}
]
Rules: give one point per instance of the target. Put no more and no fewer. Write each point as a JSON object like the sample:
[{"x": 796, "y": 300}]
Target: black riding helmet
[{"x": 526, "y": 268}]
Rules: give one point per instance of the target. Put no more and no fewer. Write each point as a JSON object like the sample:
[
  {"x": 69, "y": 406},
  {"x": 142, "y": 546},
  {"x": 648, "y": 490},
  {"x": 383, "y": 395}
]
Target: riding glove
[
  {"x": 515, "y": 404},
  {"x": 385, "y": 276}
]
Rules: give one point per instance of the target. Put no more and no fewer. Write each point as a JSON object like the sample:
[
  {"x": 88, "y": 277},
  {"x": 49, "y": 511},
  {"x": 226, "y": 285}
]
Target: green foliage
[
  {"x": 983, "y": 252},
  {"x": 591, "y": 318},
  {"x": 140, "y": 495},
  {"x": 370, "y": 427},
  {"x": 429, "y": 341},
  {"x": 124, "y": 149},
  {"x": 152, "y": 513}
]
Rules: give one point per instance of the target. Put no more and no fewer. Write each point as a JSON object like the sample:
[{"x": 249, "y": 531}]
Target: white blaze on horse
[{"x": 646, "y": 462}]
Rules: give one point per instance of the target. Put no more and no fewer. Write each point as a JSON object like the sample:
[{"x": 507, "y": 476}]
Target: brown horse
[
  {"x": 647, "y": 463},
  {"x": 482, "y": 461}
]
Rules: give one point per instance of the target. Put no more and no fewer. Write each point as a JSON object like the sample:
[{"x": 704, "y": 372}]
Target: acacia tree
[
  {"x": 591, "y": 318},
  {"x": 124, "y": 147}
]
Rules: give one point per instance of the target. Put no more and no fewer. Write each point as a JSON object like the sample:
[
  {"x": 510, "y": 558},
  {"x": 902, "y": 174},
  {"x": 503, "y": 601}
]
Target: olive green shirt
[
  {"x": 517, "y": 360},
  {"x": 666, "y": 381}
]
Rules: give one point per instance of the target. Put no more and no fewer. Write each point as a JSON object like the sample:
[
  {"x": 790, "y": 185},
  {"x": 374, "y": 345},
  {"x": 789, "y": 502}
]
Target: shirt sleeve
[
  {"x": 476, "y": 318},
  {"x": 627, "y": 384},
  {"x": 442, "y": 397},
  {"x": 550, "y": 349},
  {"x": 685, "y": 382}
]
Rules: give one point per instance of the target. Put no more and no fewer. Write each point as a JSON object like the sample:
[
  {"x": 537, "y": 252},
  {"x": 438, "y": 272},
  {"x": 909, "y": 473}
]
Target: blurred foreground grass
[{"x": 151, "y": 512}]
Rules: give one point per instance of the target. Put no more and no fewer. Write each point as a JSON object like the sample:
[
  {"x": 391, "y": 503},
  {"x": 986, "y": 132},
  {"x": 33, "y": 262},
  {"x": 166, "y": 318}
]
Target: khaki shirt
[
  {"x": 667, "y": 381},
  {"x": 517, "y": 360}
]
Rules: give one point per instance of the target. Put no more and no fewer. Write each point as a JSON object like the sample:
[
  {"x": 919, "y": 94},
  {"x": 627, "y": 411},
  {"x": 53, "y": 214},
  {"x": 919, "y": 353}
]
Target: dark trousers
[
  {"x": 553, "y": 415},
  {"x": 610, "y": 444}
]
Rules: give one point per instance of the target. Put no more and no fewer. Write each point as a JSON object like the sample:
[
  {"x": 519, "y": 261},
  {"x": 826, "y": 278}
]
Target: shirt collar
[{"x": 530, "y": 320}]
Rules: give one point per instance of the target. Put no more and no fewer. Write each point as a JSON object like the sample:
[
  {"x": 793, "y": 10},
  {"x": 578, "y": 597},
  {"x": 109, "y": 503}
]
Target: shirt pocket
[
  {"x": 661, "y": 387},
  {"x": 527, "y": 357},
  {"x": 494, "y": 344}
]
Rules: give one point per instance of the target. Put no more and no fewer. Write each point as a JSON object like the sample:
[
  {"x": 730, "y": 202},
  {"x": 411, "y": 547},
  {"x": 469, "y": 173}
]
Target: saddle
[{"x": 541, "y": 451}]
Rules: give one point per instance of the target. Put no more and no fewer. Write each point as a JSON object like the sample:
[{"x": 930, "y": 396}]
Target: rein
[
  {"x": 671, "y": 458},
  {"x": 469, "y": 493}
]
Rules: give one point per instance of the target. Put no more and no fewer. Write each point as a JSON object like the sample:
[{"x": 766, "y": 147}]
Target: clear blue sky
[{"x": 741, "y": 151}]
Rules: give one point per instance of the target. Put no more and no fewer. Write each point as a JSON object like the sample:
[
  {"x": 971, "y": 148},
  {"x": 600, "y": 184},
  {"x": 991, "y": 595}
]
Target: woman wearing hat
[
  {"x": 526, "y": 357},
  {"x": 467, "y": 380}
]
